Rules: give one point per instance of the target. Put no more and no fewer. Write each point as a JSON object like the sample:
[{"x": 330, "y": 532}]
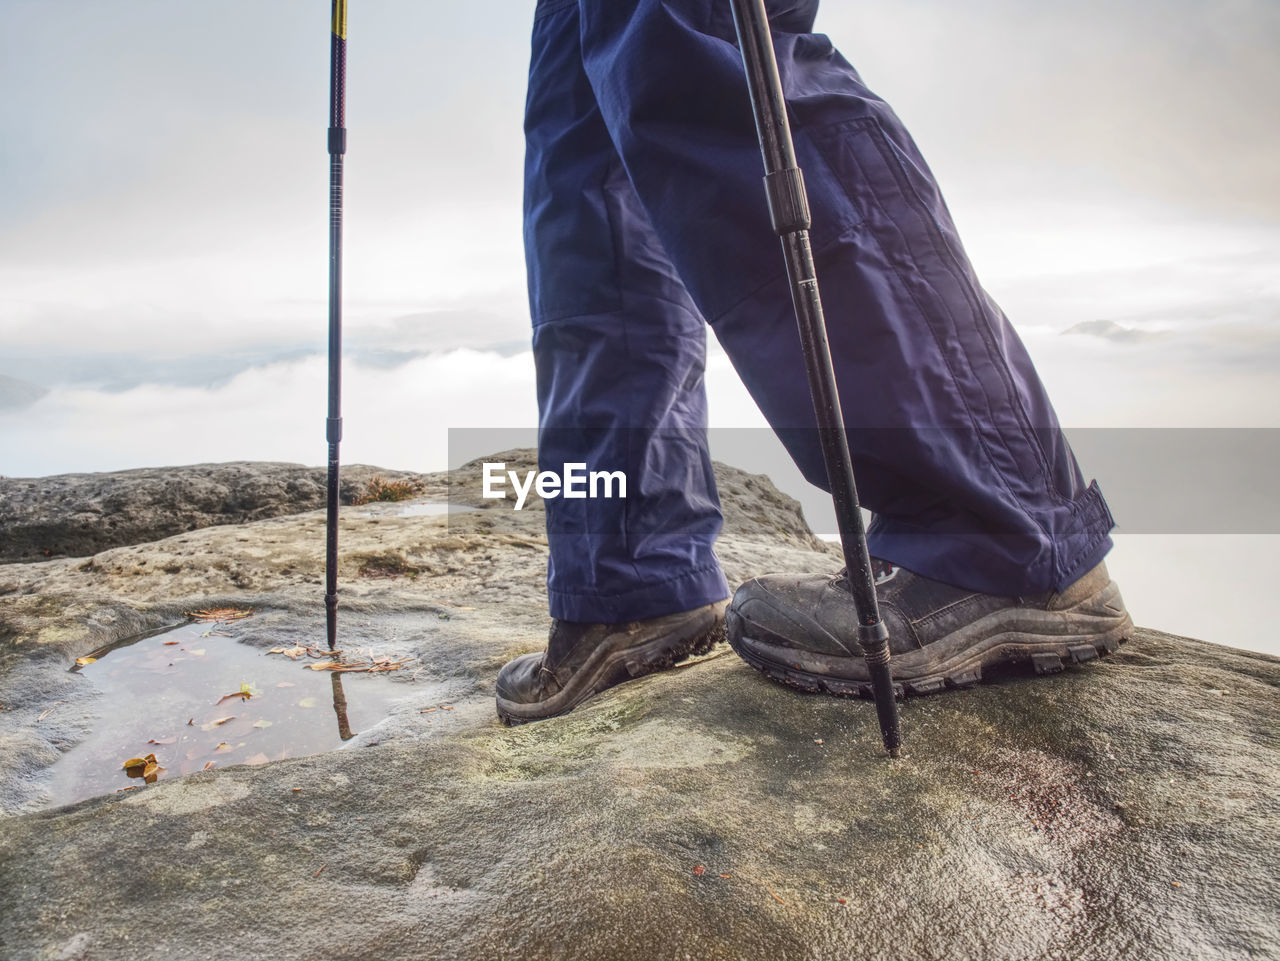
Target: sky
[{"x": 1113, "y": 168}]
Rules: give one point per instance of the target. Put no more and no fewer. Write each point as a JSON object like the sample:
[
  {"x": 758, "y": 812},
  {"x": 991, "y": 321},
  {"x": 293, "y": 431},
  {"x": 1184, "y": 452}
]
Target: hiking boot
[
  {"x": 582, "y": 660},
  {"x": 801, "y": 630}
]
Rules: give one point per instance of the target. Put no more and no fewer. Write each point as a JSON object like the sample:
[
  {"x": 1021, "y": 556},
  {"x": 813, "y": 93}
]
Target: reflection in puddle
[
  {"x": 180, "y": 696},
  {"x": 432, "y": 508},
  {"x": 413, "y": 509}
]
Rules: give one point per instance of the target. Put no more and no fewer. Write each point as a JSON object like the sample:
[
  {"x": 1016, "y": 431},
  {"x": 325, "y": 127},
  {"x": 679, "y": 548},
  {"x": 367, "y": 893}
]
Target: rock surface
[
  {"x": 75, "y": 515},
  {"x": 1123, "y": 809}
]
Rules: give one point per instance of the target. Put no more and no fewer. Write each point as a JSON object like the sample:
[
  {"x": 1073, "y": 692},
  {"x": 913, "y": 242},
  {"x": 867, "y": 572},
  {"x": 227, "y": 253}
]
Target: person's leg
[
  {"x": 620, "y": 350},
  {"x": 956, "y": 446},
  {"x": 619, "y": 347}
]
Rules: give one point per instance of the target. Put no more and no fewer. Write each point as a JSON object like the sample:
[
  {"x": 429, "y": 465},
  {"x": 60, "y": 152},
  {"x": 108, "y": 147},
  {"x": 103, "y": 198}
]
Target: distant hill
[{"x": 16, "y": 394}]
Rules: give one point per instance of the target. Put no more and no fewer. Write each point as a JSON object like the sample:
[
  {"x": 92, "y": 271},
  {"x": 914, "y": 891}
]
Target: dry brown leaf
[
  {"x": 224, "y": 746},
  {"x": 699, "y": 871},
  {"x": 170, "y": 643},
  {"x": 209, "y": 764},
  {"x": 243, "y": 695},
  {"x": 162, "y": 740}
]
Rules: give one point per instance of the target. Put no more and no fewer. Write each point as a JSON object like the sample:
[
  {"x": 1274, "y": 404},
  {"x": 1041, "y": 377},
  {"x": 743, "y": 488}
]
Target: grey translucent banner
[{"x": 1155, "y": 480}]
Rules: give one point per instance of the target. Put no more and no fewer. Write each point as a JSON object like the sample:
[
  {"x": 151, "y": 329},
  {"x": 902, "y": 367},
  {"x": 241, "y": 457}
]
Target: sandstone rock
[
  {"x": 1123, "y": 809},
  {"x": 75, "y": 515}
]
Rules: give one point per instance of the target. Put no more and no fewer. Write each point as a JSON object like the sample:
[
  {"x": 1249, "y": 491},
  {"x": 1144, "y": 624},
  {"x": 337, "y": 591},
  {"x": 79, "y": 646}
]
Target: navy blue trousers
[{"x": 645, "y": 219}]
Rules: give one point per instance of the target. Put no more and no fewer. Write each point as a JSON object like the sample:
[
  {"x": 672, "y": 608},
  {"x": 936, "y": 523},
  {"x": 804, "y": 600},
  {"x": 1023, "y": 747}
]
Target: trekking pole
[
  {"x": 333, "y": 425},
  {"x": 789, "y": 211}
]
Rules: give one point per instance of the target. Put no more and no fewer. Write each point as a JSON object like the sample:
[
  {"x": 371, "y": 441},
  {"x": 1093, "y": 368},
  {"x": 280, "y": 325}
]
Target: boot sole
[
  {"x": 611, "y": 665},
  {"x": 1047, "y": 640}
]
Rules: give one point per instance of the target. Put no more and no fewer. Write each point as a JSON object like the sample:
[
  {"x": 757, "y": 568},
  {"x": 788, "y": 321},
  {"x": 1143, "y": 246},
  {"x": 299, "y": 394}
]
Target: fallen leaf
[
  {"x": 140, "y": 766},
  {"x": 240, "y": 694},
  {"x": 293, "y": 653},
  {"x": 198, "y": 652},
  {"x": 726, "y": 876},
  {"x": 841, "y": 901},
  {"x": 699, "y": 871},
  {"x": 82, "y": 661},
  {"x": 428, "y": 710},
  {"x": 170, "y": 643},
  {"x": 307, "y": 702},
  {"x": 209, "y": 764},
  {"x": 262, "y": 723},
  {"x": 224, "y": 746},
  {"x": 446, "y": 707},
  {"x": 162, "y": 740},
  {"x": 324, "y": 666},
  {"x": 257, "y": 759},
  {"x": 296, "y": 790},
  {"x": 190, "y": 721},
  {"x": 151, "y": 772},
  {"x": 818, "y": 740}
]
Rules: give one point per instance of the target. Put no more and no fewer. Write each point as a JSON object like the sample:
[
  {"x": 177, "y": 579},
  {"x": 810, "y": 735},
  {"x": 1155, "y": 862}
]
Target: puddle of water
[
  {"x": 160, "y": 695},
  {"x": 417, "y": 509},
  {"x": 433, "y": 509}
]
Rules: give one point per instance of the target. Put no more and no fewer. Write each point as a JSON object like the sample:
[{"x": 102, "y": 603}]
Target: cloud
[
  {"x": 1110, "y": 330},
  {"x": 1130, "y": 100},
  {"x": 397, "y": 418},
  {"x": 17, "y": 394}
]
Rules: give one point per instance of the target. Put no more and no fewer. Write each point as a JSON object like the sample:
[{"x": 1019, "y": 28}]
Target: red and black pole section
[
  {"x": 333, "y": 424},
  {"x": 789, "y": 211}
]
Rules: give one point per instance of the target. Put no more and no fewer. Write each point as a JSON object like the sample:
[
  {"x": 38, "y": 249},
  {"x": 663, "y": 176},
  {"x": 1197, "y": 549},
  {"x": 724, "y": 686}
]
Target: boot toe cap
[{"x": 520, "y": 679}]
